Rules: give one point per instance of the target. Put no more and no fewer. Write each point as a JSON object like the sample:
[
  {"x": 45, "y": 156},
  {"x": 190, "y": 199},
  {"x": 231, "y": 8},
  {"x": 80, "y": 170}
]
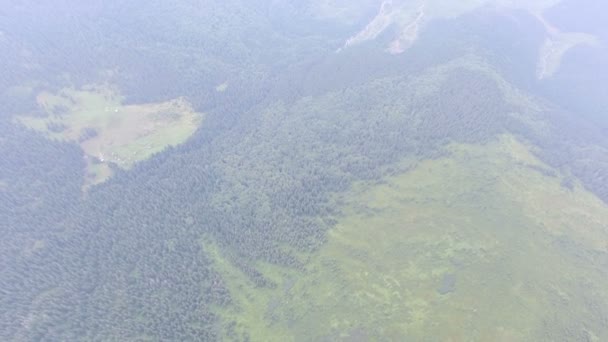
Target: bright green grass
[
  {"x": 126, "y": 134},
  {"x": 478, "y": 246},
  {"x": 247, "y": 311}
]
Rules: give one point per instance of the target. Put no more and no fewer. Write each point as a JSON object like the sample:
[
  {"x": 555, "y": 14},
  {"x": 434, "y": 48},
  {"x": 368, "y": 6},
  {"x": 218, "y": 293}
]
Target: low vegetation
[
  {"x": 110, "y": 132},
  {"x": 445, "y": 193},
  {"x": 453, "y": 243}
]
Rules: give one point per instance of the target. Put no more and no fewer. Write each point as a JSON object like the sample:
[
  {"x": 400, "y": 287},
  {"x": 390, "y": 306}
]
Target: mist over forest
[{"x": 320, "y": 170}]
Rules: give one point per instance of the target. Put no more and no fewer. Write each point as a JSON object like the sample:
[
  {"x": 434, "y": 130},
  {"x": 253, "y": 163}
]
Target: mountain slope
[{"x": 443, "y": 193}]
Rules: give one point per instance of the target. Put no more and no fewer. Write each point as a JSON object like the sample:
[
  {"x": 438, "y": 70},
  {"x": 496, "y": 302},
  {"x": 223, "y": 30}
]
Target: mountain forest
[{"x": 318, "y": 170}]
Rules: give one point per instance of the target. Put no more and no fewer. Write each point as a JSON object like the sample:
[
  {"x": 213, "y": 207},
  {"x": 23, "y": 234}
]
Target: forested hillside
[{"x": 321, "y": 191}]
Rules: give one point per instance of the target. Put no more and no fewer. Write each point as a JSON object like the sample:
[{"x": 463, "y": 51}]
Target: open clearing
[
  {"x": 110, "y": 132},
  {"x": 481, "y": 245}
]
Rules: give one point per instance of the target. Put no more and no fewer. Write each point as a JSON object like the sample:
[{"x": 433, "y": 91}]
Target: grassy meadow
[
  {"x": 484, "y": 244},
  {"x": 108, "y": 130}
]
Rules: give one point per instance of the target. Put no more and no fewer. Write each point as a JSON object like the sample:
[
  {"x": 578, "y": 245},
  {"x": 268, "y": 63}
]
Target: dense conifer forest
[{"x": 177, "y": 246}]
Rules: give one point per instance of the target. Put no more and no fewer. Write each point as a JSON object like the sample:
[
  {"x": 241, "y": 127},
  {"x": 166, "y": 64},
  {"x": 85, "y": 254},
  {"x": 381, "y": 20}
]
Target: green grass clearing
[
  {"x": 477, "y": 246},
  {"x": 109, "y": 131}
]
